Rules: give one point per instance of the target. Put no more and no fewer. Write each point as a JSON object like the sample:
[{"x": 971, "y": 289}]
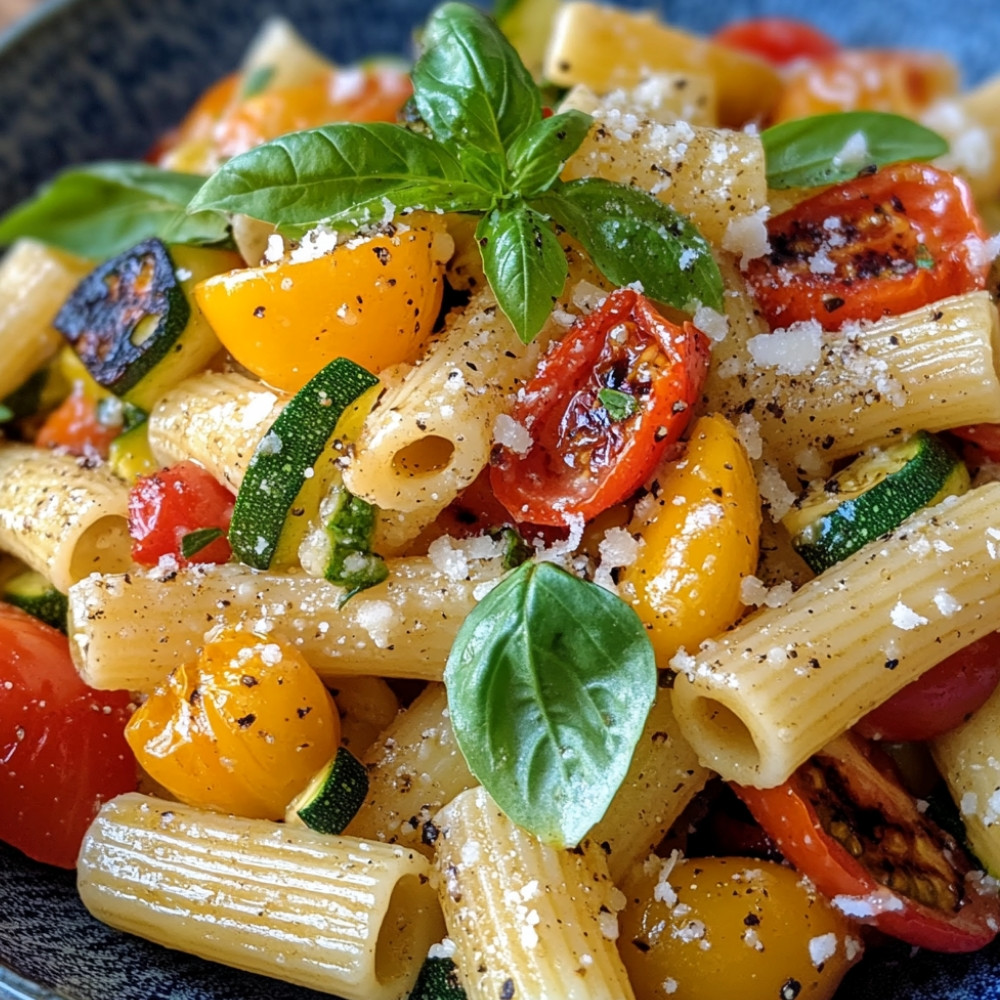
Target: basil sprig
[
  {"x": 825, "y": 149},
  {"x": 549, "y": 684},
  {"x": 487, "y": 150},
  {"x": 102, "y": 209}
]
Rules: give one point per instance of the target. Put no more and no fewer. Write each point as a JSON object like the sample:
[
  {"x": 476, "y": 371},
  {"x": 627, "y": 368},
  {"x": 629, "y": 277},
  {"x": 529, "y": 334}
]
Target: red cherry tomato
[
  {"x": 939, "y": 699},
  {"x": 601, "y": 411},
  {"x": 172, "y": 503},
  {"x": 986, "y": 437},
  {"x": 852, "y": 829},
  {"x": 76, "y": 426},
  {"x": 879, "y": 245},
  {"x": 62, "y": 745},
  {"x": 779, "y": 40}
]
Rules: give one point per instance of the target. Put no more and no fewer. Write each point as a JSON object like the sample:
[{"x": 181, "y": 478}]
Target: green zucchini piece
[
  {"x": 285, "y": 459},
  {"x": 126, "y": 315},
  {"x": 527, "y": 24},
  {"x": 873, "y": 496},
  {"x": 134, "y": 323},
  {"x": 438, "y": 980},
  {"x": 350, "y": 528},
  {"x": 32, "y": 592},
  {"x": 331, "y": 800}
]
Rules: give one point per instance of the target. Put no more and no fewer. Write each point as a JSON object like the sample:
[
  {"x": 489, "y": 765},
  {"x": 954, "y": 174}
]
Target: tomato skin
[
  {"x": 986, "y": 437},
  {"x": 75, "y": 426},
  {"x": 581, "y": 461},
  {"x": 62, "y": 745},
  {"x": 790, "y": 815},
  {"x": 939, "y": 699},
  {"x": 879, "y": 245},
  {"x": 164, "y": 507},
  {"x": 779, "y": 40}
]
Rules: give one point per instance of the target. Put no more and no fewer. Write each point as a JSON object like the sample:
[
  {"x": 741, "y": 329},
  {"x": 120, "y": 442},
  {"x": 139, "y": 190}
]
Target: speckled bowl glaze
[{"x": 94, "y": 79}]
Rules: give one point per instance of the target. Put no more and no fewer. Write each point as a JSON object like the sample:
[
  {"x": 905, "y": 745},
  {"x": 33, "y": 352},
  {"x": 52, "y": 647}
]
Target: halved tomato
[
  {"x": 600, "y": 412},
  {"x": 779, "y": 40},
  {"x": 879, "y": 245},
  {"x": 849, "y": 826}
]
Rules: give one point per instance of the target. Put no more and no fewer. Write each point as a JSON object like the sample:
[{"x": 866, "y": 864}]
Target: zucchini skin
[
  {"x": 437, "y": 981},
  {"x": 931, "y": 474},
  {"x": 335, "y": 795},
  {"x": 126, "y": 315},
  {"x": 285, "y": 458}
]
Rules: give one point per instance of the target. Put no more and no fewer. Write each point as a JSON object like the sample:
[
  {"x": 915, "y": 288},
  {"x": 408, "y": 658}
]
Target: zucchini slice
[
  {"x": 285, "y": 460},
  {"x": 350, "y": 528},
  {"x": 872, "y": 496},
  {"x": 330, "y": 801},
  {"x": 32, "y": 592},
  {"x": 126, "y": 315},
  {"x": 134, "y": 323},
  {"x": 437, "y": 981}
]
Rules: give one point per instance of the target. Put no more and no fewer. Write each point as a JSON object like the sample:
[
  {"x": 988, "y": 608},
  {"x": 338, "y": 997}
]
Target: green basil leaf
[
  {"x": 194, "y": 541},
  {"x": 538, "y": 155},
  {"x": 631, "y": 236},
  {"x": 471, "y": 87},
  {"x": 620, "y": 405},
  {"x": 6, "y": 413},
  {"x": 100, "y": 210},
  {"x": 524, "y": 264},
  {"x": 348, "y": 173},
  {"x": 256, "y": 83},
  {"x": 549, "y": 684},
  {"x": 835, "y": 147}
]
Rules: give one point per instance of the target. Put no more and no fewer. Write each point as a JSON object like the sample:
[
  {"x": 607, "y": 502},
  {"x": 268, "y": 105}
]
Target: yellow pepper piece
[
  {"x": 374, "y": 302},
  {"x": 702, "y": 538},
  {"x": 240, "y": 730}
]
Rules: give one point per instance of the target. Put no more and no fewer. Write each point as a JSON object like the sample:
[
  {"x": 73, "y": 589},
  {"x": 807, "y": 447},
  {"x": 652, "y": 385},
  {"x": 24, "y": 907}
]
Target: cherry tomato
[
  {"x": 865, "y": 79},
  {"x": 939, "y": 699},
  {"x": 601, "y": 411},
  {"x": 779, "y": 40},
  {"x": 76, "y": 426},
  {"x": 852, "y": 829},
  {"x": 986, "y": 437},
  {"x": 878, "y": 245},
  {"x": 172, "y": 503},
  {"x": 243, "y": 729},
  {"x": 696, "y": 928},
  {"x": 62, "y": 745}
]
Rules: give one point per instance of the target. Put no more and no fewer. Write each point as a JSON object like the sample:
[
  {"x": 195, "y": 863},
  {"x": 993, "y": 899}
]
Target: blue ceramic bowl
[{"x": 97, "y": 79}]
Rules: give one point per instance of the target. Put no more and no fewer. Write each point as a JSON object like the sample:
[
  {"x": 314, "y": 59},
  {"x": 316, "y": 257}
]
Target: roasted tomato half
[
  {"x": 939, "y": 699},
  {"x": 878, "y": 245},
  {"x": 600, "y": 412},
  {"x": 850, "y": 827}
]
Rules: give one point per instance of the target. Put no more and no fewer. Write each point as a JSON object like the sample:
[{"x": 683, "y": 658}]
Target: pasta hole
[
  {"x": 728, "y": 735},
  {"x": 412, "y": 923},
  {"x": 429, "y": 454},
  {"x": 104, "y": 547}
]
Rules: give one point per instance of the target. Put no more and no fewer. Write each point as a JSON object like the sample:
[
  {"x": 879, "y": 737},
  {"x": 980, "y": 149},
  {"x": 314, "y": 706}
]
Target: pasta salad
[{"x": 521, "y": 524}]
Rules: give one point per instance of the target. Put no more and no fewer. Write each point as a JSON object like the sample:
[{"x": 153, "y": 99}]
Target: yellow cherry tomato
[
  {"x": 707, "y": 928},
  {"x": 374, "y": 302},
  {"x": 240, "y": 730},
  {"x": 701, "y": 537}
]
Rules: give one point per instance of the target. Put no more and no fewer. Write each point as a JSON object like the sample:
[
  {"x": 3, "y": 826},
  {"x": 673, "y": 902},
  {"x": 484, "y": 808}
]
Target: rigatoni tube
[{"x": 335, "y": 914}]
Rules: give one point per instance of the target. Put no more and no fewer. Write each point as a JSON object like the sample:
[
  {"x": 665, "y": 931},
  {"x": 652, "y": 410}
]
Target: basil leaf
[
  {"x": 6, "y": 413},
  {"x": 620, "y": 405},
  {"x": 538, "y": 155},
  {"x": 549, "y": 683},
  {"x": 257, "y": 81},
  {"x": 834, "y": 147},
  {"x": 100, "y": 210},
  {"x": 524, "y": 264},
  {"x": 347, "y": 173},
  {"x": 194, "y": 541},
  {"x": 471, "y": 87},
  {"x": 631, "y": 236}
]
